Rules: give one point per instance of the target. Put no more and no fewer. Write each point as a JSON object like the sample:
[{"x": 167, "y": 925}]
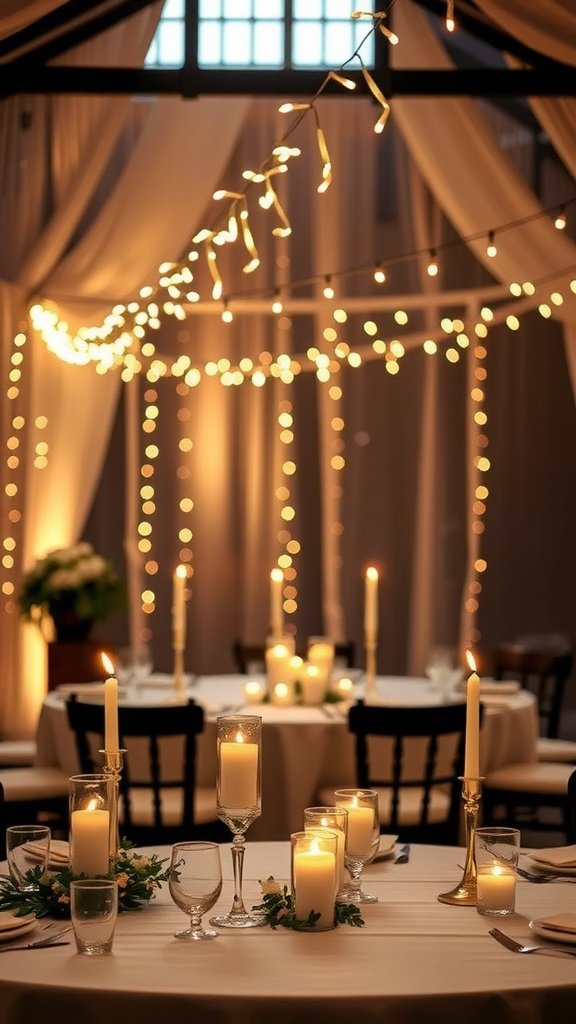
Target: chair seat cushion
[
  {"x": 531, "y": 777},
  {"x": 410, "y": 805},
  {"x": 17, "y": 753},
  {"x": 142, "y": 811},
  {"x": 34, "y": 784},
  {"x": 556, "y": 750}
]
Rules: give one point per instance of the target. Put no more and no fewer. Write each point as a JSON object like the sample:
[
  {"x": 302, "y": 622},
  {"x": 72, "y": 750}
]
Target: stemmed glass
[
  {"x": 362, "y": 839},
  {"x": 134, "y": 665},
  {"x": 239, "y": 800},
  {"x": 195, "y": 883}
]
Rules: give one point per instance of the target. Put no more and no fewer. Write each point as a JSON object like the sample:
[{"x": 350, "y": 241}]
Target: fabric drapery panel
[{"x": 548, "y": 26}]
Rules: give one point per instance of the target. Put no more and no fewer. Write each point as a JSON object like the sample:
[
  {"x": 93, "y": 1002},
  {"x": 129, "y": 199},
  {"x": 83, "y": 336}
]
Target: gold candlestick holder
[
  {"x": 371, "y": 689},
  {"x": 464, "y": 894},
  {"x": 113, "y": 764}
]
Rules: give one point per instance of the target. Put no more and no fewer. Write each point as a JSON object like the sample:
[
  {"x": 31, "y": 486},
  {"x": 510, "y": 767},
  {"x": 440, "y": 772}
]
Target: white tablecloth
[
  {"x": 305, "y": 749},
  {"x": 415, "y": 960}
]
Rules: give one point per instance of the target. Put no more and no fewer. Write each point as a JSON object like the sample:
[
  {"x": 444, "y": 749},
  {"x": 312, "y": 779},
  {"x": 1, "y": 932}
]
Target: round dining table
[
  {"x": 306, "y": 749},
  {"x": 415, "y": 960}
]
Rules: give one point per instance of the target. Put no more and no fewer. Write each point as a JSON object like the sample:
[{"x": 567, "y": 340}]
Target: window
[{"x": 260, "y": 34}]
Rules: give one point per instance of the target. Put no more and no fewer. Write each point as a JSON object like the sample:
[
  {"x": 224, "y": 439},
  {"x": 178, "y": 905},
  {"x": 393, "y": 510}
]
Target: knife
[
  {"x": 403, "y": 855},
  {"x": 33, "y": 945}
]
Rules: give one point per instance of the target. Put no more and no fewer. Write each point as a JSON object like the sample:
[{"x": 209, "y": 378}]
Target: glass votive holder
[
  {"x": 90, "y": 804},
  {"x": 27, "y": 847},
  {"x": 239, "y": 768},
  {"x": 93, "y": 910},
  {"x": 497, "y": 851},
  {"x": 314, "y": 876},
  {"x": 332, "y": 819}
]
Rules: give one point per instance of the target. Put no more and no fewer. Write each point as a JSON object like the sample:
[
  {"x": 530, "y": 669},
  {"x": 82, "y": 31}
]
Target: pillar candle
[
  {"x": 238, "y": 774},
  {"x": 361, "y": 829},
  {"x": 89, "y": 841},
  {"x": 315, "y": 884},
  {"x": 277, "y": 665},
  {"x": 472, "y": 751},
  {"x": 111, "y": 744},
  {"x": 314, "y": 685},
  {"x": 371, "y": 605},
  {"x": 496, "y": 888},
  {"x": 253, "y": 691},
  {"x": 178, "y": 607},
  {"x": 283, "y": 694},
  {"x": 276, "y": 609},
  {"x": 340, "y": 847}
]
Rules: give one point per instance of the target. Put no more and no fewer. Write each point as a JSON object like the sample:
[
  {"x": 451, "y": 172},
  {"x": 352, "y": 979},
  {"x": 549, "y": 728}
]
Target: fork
[
  {"x": 536, "y": 876},
  {"x": 517, "y": 947}
]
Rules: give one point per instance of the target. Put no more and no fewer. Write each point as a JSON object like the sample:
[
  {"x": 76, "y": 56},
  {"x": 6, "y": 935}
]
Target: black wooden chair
[
  {"x": 413, "y": 757},
  {"x": 160, "y": 802},
  {"x": 251, "y": 657},
  {"x": 572, "y": 807}
]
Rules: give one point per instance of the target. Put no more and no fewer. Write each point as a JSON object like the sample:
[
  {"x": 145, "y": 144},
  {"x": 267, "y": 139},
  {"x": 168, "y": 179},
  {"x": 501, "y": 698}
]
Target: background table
[
  {"x": 304, "y": 749},
  {"x": 415, "y": 960}
]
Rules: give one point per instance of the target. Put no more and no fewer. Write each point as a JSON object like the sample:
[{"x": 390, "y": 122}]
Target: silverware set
[
  {"x": 518, "y": 947},
  {"x": 403, "y": 855},
  {"x": 48, "y": 940}
]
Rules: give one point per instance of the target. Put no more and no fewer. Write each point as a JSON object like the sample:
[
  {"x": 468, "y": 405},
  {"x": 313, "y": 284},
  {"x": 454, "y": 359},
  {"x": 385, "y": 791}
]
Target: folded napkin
[
  {"x": 560, "y": 922},
  {"x": 499, "y": 686},
  {"x": 59, "y": 852},
  {"x": 9, "y": 921},
  {"x": 556, "y": 856}
]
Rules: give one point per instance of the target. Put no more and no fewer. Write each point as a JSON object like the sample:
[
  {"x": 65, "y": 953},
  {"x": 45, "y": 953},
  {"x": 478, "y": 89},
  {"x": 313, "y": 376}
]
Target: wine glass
[
  {"x": 134, "y": 665},
  {"x": 195, "y": 883},
  {"x": 362, "y": 839},
  {"x": 239, "y": 801},
  {"x": 443, "y": 670}
]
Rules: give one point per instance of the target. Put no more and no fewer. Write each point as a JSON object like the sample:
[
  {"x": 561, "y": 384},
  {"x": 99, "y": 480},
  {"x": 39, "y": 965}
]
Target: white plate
[
  {"x": 386, "y": 849},
  {"x": 14, "y": 933},
  {"x": 567, "y": 938},
  {"x": 59, "y": 854}
]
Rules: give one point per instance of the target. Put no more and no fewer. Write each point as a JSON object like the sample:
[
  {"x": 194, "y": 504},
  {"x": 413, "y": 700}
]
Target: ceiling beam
[{"x": 191, "y": 83}]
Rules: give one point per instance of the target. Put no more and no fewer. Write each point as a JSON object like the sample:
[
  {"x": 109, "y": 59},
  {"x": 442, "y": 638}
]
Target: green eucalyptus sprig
[
  {"x": 137, "y": 876},
  {"x": 278, "y": 910}
]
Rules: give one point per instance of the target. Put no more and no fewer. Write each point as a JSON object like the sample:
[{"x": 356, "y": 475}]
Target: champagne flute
[
  {"x": 195, "y": 883},
  {"x": 362, "y": 839},
  {"x": 239, "y": 800}
]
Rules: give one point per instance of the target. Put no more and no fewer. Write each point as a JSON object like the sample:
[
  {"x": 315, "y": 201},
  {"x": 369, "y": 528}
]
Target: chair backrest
[
  {"x": 251, "y": 657},
  {"x": 159, "y": 773},
  {"x": 413, "y": 756},
  {"x": 544, "y": 671}
]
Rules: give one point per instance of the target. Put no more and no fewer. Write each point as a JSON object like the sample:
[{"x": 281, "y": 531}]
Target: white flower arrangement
[{"x": 75, "y": 579}]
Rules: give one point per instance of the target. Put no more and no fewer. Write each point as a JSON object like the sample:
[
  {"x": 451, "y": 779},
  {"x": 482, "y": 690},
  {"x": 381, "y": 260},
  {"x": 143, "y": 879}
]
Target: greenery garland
[
  {"x": 278, "y": 910},
  {"x": 138, "y": 877}
]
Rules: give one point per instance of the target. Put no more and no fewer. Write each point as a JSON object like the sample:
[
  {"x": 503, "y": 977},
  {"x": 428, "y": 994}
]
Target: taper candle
[
  {"x": 371, "y": 605},
  {"x": 276, "y": 610},
  {"x": 472, "y": 747},
  {"x": 178, "y": 608},
  {"x": 111, "y": 742}
]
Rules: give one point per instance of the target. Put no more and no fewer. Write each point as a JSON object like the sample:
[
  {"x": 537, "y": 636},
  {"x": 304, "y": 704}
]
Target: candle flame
[
  {"x": 107, "y": 663},
  {"x": 312, "y": 670},
  {"x": 92, "y": 805},
  {"x": 497, "y": 869},
  {"x": 277, "y": 575},
  {"x": 471, "y": 661},
  {"x": 315, "y": 846},
  {"x": 181, "y": 571},
  {"x": 345, "y": 684},
  {"x": 354, "y": 801},
  {"x": 281, "y": 690},
  {"x": 371, "y": 573},
  {"x": 252, "y": 687},
  {"x": 239, "y": 737},
  {"x": 280, "y": 651},
  {"x": 324, "y": 822}
]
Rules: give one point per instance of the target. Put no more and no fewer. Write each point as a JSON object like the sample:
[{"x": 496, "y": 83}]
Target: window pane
[
  {"x": 269, "y": 9},
  {"x": 359, "y": 32},
  {"x": 269, "y": 45},
  {"x": 237, "y": 8},
  {"x": 209, "y": 43},
  {"x": 307, "y": 9},
  {"x": 171, "y": 44},
  {"x": 210, "y": 9},
  {"x": 173, "y": 9},
  {"x": 152, "y": 56},
  {"x": 307, "y": 46},
  {"x": 338, "y": 43},
  {"x": 237, "y": 43},
  {"x": 342, "y": 9}
]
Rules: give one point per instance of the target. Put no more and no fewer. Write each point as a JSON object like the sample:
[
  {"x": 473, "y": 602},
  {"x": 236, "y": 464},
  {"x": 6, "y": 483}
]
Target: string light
[
  {"x": 328, "y": 290},
  {"x": 450, "y": 23},
  {"x": 379, "y": 275},
  {"x": 491, "y": 249},
  {"x": 560, "y": 219},
  {"x": 227, "y": 314},
  {"x": 432, "y": 268},
  {"x": 277, "y": 305}
]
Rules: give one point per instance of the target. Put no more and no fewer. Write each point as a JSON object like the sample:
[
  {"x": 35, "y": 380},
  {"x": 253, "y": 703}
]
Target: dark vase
[{"x": 68, "y": 627}]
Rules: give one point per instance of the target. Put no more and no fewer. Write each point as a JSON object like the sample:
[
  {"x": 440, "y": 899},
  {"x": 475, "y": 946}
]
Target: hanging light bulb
[
  {"x": 491, "y": 249},
  {"x": 227, "y": 314},
  {"x": 432, "y": 264},
  {"x": 379, "y": 275},
  {"x": 277, "y": 306},
  {"x": 328, "y": 289},
  {"x": 560, "y": 219},
  {"x": 450, "y": 23}
]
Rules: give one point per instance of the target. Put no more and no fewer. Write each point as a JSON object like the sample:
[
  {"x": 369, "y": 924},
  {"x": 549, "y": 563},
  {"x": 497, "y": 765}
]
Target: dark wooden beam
[{"x": 193, "y": 82}]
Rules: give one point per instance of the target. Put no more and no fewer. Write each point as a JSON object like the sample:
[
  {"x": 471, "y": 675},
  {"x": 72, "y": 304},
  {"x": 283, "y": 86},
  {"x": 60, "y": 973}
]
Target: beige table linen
[
  {"x": 303, "y": 749},
  {"x": 415, "y": 960}
]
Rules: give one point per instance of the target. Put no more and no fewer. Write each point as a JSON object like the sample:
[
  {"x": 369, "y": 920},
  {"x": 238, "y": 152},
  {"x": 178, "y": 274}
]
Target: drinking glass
[
  {"x": 362, "y": 839},
  {"x": 94, "y": 909},
  {"x": 497, "y": 850},
  {"x": 443, "y": 670},
  {"x": 27, "y": 846},
  {"x": 239, "y": 800},
  {"x": 314, "y": 876},
  {"x": 134, "y": 665},
  {"x": 195, "y": 883}
]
